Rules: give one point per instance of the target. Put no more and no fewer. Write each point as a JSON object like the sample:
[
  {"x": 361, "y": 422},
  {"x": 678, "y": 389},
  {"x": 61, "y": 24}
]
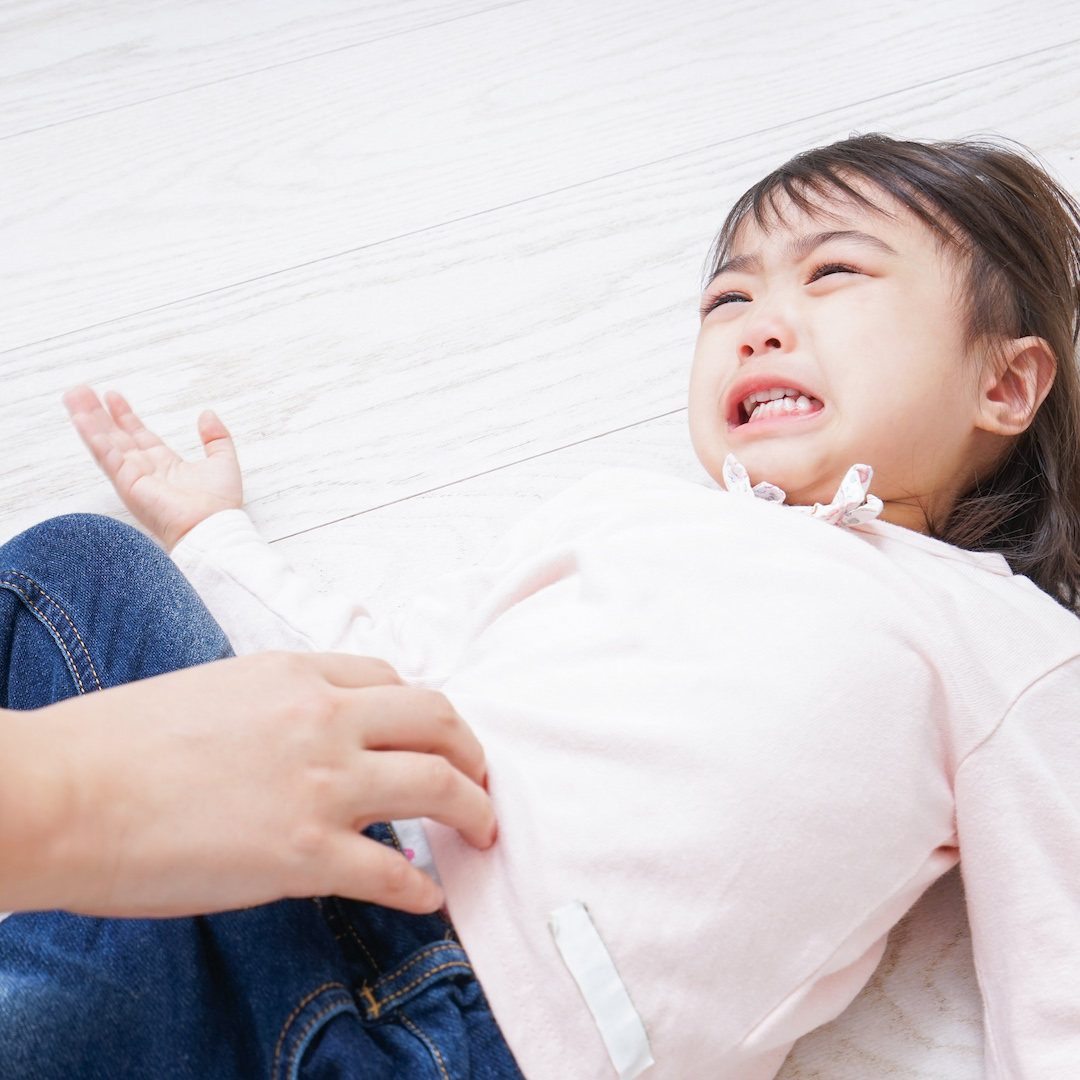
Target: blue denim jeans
[{"x": 324, "y": 989}]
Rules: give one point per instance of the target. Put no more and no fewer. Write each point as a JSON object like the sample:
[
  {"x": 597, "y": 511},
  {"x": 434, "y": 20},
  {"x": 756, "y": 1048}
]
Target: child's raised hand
[{"x": 166, "y": 493}]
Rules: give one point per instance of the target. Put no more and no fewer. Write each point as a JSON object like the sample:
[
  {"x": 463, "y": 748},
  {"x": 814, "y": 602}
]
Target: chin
[
  {"x": 804, "y": 482},
  {"x": 795, "y": 477}
]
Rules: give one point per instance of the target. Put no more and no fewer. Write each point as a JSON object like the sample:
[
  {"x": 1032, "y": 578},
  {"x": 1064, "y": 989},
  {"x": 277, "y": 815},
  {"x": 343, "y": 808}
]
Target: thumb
[{"x": 215, "y": 435}]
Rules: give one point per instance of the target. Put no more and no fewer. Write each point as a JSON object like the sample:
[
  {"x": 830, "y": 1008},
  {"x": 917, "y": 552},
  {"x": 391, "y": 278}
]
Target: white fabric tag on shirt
[
  {"x": 414, "y": 845},
  {"x": 594, "y": 971}
]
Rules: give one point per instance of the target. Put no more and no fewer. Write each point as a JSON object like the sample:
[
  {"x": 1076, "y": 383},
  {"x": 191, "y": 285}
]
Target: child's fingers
[
  {"x": 100, "y": 441},
  {"x": 111, "y": 458},
  {"x": 80, "y": 399},
  {"x": 111, "y": 447},
  {"x": 126, "y": 419},
  {"x": 97, "y": 428},
  {"x": 215, "y": 435},
  {"x": 87, "y": 413}
]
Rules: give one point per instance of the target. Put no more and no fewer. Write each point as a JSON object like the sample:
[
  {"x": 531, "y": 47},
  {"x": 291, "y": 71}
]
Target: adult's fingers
[
  {"x": 364, "y": 869},
  {"x": 421, "y": 721},
  {"x": 401, "y": 784},
  {"x": 354, "y": 672}
]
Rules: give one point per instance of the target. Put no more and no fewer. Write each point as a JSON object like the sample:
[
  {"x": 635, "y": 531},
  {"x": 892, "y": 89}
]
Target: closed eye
[
  {"x": 711, "y": 303},
  {"x": 832, "y": 268}
]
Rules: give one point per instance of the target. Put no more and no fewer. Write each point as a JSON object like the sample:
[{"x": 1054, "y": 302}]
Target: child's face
[{"x": 862, "y": 315}]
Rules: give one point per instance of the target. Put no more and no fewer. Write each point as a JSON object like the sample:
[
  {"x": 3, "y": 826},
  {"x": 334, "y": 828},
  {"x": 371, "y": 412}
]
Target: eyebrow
[{"x": 802, "y": 246}]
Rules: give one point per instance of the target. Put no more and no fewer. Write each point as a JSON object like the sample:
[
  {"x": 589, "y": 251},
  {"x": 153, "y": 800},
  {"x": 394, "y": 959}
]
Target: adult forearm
[{"x": 33, "y": 798}]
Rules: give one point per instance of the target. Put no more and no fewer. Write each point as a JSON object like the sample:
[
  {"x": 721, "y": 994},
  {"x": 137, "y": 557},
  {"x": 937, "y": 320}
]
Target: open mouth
[{"x": 776, "y": 402}]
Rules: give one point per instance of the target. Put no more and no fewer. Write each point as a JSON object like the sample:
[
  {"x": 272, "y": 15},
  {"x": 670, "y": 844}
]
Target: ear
[{"x": 1017, "y": 379}]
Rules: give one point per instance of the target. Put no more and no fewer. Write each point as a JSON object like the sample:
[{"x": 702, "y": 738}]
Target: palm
[{"x": 166, "y": 493}]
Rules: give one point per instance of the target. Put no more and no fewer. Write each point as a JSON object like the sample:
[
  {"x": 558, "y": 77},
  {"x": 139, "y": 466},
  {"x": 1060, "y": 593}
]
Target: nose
[
  {"x": 765, "y": 334},
  {"x": 746, "y": 350}
]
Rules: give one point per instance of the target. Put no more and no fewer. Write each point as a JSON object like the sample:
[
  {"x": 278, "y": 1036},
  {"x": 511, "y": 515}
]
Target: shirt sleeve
[
  {"x": 262, "y": 603},
  {"x": 256, "y": 596},
  {"x": 1018, "y": 821}
]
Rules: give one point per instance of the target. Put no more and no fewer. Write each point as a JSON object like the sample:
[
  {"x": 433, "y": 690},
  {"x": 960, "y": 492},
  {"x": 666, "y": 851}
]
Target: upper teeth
[{"x": 758, "y": 404}]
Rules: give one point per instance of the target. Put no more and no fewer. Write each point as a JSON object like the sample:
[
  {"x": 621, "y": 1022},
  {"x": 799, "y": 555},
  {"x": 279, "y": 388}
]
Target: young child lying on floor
[{"x": 731, "y": 735}]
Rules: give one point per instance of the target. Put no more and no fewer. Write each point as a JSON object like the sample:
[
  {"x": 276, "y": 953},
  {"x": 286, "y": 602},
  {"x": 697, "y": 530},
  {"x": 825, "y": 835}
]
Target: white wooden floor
[{"x": 432, "y": 260}]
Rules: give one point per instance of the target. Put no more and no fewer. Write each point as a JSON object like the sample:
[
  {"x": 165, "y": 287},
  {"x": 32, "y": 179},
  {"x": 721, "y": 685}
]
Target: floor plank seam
[{"x": 483, "y": 472}]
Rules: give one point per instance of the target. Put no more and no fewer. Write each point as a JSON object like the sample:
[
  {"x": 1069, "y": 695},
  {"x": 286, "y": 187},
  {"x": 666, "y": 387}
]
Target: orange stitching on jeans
[
  {"x": 356, "y": 937},
  {"x": 430, "y": 1045},
  {"x": 398, "y": 972},
  {"x": 296, "y": 1012},
  {"x": 74, "y": 629},
  {"x": 59, "y": 640},
  {"x": 427, "y": 975},
  {"x": 318, "y": 903},
  {"x": 369, "y": 996},
  {"x": 310, "y": 1024}
]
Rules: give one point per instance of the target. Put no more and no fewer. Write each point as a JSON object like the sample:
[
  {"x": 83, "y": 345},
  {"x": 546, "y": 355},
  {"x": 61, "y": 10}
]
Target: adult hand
[
  {"x": 232, "y": 784},
  {"x": 167, "y": 494}
]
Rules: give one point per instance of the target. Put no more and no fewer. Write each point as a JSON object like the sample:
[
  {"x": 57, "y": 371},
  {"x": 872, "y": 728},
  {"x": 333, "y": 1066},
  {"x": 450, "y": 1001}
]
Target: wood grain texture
[
  {"x": 385, "y": 372},
  {"x": 138, "y": 207},
  {"x": 61, "y": 60}
]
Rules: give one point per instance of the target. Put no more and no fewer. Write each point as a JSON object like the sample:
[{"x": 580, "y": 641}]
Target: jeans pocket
[
  {"x": 60, "y": 626},
  {"x": 425, "y": 1020},
  {"x": 304, "y": 1026}
]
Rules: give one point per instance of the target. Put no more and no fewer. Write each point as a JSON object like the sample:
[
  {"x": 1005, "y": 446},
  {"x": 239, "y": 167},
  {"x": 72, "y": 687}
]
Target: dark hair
[{"x": 1019, "y": 233}]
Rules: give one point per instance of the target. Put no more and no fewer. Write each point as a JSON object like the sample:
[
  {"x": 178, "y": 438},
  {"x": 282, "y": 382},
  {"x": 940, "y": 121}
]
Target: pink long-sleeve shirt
[{"x": 746, "y": 741}]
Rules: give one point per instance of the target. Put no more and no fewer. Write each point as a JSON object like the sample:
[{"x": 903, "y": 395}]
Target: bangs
[{"x": 814, "y": 185}]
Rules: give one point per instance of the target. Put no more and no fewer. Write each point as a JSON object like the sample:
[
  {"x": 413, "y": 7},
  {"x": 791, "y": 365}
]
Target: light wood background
[{"x": 432, "y": 260}]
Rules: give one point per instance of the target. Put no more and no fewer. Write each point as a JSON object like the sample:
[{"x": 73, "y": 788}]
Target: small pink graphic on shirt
[{"x": 409, "y": 853}]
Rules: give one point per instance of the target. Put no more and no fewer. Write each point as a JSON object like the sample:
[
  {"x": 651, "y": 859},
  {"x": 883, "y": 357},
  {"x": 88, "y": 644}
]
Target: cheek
[
  {"x": 704, "y": 408},
  {"x": 909, "y": 424},
  {"x": 891, "y": 359},
  {"x": 704, "y": 379}
]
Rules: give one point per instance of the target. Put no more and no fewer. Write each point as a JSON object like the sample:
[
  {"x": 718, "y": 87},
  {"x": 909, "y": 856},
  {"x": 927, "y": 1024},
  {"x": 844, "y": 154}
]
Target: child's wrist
[{"x": 170, "y": 538}]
